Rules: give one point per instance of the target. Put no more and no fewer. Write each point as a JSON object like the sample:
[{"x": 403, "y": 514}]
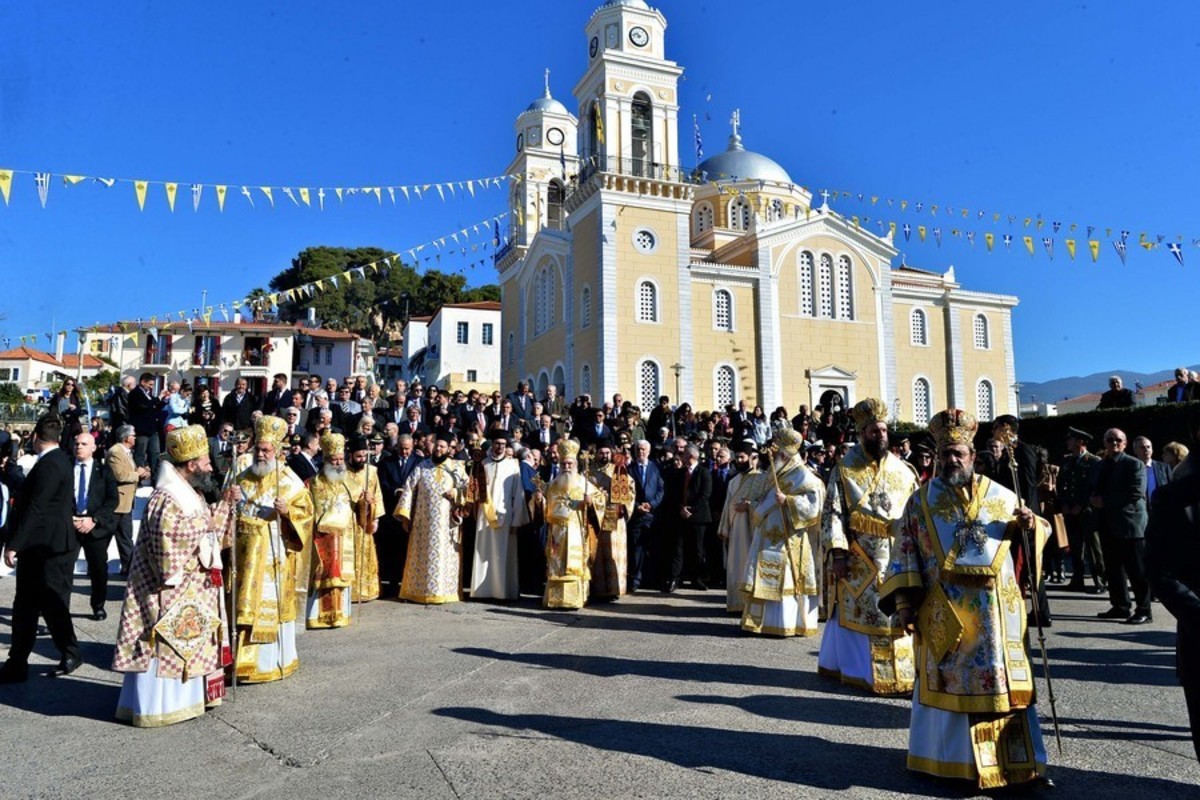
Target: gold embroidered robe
[
  {"x": 333, "y": 558},
  {"x": 952, "y": 561},
  {"x": 780, "y": 562},
  {"x": 610, "y": 567},
  {"x": 863, "y": 503},
  {"x": 572, "y": 504},
  {"x": 433, "y": 567},
  {"x": 273, "y": 566},
  {"x": 368, "y": 501}
]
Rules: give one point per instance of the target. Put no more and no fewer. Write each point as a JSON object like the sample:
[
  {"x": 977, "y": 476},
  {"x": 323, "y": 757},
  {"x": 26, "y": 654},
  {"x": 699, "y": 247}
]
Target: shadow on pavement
[
  {"x": 1123, "y": 730},
  {"x": 610, "y": 617},
  {"x": 843, "y": 711},
  {"x": 70, "y": 695}
]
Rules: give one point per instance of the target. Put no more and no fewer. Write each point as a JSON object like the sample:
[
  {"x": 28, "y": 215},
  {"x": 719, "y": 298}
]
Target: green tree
[
  {"x": 11, "y": 394},
  {"x": 99, "y": 384},
  {"x": 374, "y": 305}
]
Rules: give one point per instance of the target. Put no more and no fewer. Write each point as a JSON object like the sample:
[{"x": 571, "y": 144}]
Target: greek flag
[{"x": 699, "y": 141}]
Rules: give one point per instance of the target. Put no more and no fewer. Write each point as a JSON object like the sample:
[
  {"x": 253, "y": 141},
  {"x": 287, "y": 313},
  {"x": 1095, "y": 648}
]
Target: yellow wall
[
  {"x": 988, "y": 363},
  {"x": 930, "y": 362},
  {"x": 586, "y": 258}
]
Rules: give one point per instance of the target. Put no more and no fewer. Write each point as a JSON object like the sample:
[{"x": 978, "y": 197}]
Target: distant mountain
[{"x": 1053, "y": 391}]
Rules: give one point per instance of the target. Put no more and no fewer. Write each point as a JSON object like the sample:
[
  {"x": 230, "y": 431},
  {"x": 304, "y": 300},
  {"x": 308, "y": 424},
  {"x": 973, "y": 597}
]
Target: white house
[
  {"x": 458, "y": 347},
  {"x": 37, "y": 372}
]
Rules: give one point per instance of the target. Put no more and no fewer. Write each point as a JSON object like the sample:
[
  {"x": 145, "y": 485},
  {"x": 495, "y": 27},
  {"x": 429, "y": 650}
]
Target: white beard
[
  {"x": 262, "y": 469},
  {"x": 334, "y": 474}
]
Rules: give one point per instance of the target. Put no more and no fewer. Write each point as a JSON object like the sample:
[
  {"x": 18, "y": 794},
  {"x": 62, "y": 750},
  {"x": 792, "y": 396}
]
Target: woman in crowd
[{"x": 205, "y": 411}]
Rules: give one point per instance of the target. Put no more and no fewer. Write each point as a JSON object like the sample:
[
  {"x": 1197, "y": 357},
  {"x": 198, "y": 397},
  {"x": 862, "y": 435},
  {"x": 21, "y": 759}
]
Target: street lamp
[
  {"x": 1017, "y": 388},
  {"x": 678, "y": 369}
]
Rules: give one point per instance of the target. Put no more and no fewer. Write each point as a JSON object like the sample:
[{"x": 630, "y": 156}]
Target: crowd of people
[{"x": 288, "y": 511}]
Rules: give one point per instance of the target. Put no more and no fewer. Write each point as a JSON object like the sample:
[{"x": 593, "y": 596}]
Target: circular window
[{"x": 645, "y": 240}]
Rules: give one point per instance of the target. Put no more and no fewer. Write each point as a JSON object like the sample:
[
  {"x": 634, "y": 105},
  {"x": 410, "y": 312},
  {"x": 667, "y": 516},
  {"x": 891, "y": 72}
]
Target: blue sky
[{"x": 1081, "y": 112}]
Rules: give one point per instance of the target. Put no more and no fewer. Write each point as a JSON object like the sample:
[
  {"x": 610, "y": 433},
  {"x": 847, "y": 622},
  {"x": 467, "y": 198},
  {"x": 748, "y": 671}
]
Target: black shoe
[
  {"x": 1138, "y": 619},
  {"x": 670, "y": 586},
  {"x": 700, "y": 585},
  {"x": 1094, "y": 590},
  {"x": 13, "y": 673},
  {"x": 1113, "y": 613},
  {"x": 69, "y": 665},
  {"x": 1031, "y": 623},
  {"x": 99, "y": 614}
]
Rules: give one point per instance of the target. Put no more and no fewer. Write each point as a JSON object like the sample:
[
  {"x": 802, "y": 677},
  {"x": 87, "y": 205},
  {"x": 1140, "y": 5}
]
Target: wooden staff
[{"x": 231, "y": 526}]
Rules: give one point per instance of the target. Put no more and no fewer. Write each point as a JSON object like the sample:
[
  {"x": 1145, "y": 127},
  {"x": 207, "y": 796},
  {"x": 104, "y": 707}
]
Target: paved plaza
[{"x": 651, "y": 696}]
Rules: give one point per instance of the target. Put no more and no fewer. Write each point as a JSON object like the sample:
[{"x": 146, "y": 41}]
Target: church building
[{"x": 628, "y": 271}]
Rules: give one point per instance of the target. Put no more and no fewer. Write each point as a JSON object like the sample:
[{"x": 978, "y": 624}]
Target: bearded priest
[
  {"x": 780, "y": 584},
  {"x": 866, "y": 495},
  {"x": 362, "y": 479},
  {"x": 951, "y": 581},
  {"x": 173, "y": 643},
  {"x": 274, "y": 529},
  {"x": 333, "y": 560}
]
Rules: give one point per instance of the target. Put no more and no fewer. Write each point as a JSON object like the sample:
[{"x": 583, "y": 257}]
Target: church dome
[
  {"x": 738, "y": 163},
  {"x": 547, "y": 103},
  {"x": 626, "y": 3}
]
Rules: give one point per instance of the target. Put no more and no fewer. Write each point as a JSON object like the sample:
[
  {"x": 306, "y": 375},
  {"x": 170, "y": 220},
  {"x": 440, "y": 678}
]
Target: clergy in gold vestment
[
  {"x": 865, "y": 497},
  {"x": 610, "y": 566},
  {"x": 733, "y": 529},
  {"x": 362, "y": 479},
  {"x": 274, "y": 530},
  {"x": 780, "y": 580},
  {"x": 573, "y": 506},
  {"x": 952, "y": 581},
  {"x": 173, "y": 642},
  {"x": 430, "y": 507},
  {"x": 333, "y": 538}
]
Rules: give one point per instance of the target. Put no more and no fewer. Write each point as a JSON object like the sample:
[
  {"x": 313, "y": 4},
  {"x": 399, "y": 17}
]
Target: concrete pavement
[{"x": 651, "y": 696}]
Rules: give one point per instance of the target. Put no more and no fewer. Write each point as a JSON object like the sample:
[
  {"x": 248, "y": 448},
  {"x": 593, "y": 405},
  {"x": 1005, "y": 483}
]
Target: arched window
[
  {"x": 985, "y": 398},
  {"x": 920, "y": 401},
  {"x": 642, "y": 135},
  {"x": 542, "y": 382},
  {"x": 982, "y": 334},
  {"x": 647, "y": 302},
  {"x": 585, "y": 307},
  {"x": 543, "y": 300},
  {"x": 702, "y": 218},
  {"x": 739, "y": 214},
  {"x": 775, "y": 210},
  {"x": 560, "y": 380},
  {"x": 512, "y": 349},
  {"x": 845, "y": 289},
  {"x": 585, "y": 379},
  {"x": 805, "y": 279},
  {"x": 722, "y": 310},
  {"x": 724, "y": 387},
  {"x": 555, "y": 218},
  {"x": 918, "y": 330},
  {"x": 649, "y": 384},
  {"x": 825, "y": 287}
]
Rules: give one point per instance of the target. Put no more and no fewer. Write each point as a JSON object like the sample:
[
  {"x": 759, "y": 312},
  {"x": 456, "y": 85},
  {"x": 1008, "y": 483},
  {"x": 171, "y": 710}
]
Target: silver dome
[
  {"x": 547, "y": 104},
  {"x": 738, "y": 163},
  {"x": 627, "y": 3}
]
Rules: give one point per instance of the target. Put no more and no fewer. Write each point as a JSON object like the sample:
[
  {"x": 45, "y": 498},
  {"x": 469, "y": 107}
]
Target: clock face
[
  {"x": 594, "y": 46},
  {"x": 520, "y": 142},
  {"x": 554, "y": 136},
  {"x": 639, "y": 36}
]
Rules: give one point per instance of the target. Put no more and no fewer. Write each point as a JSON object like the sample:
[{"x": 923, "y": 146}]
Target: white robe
[{"x": 494, "y": 565}]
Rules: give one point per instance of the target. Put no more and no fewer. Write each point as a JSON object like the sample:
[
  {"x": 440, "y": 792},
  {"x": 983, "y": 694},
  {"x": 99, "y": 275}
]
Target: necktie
[{"x": 81, "y": 496}]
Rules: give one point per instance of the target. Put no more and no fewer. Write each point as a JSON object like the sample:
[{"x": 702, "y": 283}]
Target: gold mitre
[
  {"x": 953, "y": 426},
  {"x": 868, "y": 412},
  {"x": 187, "y": 444},
  {"x": 332, "y": 444},
  {"x": 270, "y": 428},
  {"x": 568, "y": 449},
  {"x": 788, "y": 441}
]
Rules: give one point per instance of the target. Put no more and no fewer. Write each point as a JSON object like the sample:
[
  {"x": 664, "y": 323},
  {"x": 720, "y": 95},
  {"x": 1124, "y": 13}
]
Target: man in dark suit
[
  {"x": 391, "y": 540},
  {"x": 1173, "y": 556},
  {"x": 648, "y": 495},
  {"x": 689, "y": 489},
  {"x": 95, "y": 518},
  {"x": 279, "y": 397},
  {"x": 522, "y": 401},
  {"x": 1118, "y": 485},
  {"x": 413, "y": 425},
  {"x": 118, "y": 404},
  {"x": 1158, "y": 474},
  {"x": 722, "y": 473},
  {"x": 238, "y": 406},
  {"x": 41, "y": 545},
  {"x": 504, "y": 417},
  {"x": 221, "y": 451},
  {"x": 595, "y": 433},
  {"x": 1021, "y": 454},
  {"x": 144, "y": 408},
  {"x": 304, "y": 463},
  {"x": 544, "y": 437}
]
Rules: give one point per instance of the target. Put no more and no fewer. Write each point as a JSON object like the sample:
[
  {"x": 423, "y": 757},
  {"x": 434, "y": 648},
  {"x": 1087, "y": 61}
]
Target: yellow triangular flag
[
  {"x": 1094, "y": 246},
  {"x": 892, "y": 229},
  {"x": 1071, "y": 248},
  {"x": 921, "y": 232},
  {"x": 221, "y": 197},
  {"x": 172, "y": 188},
  {"x": 267, "y": 191},
  {"x": 1027, "y": 221},
  {"x": 304, "y": 197},
  {"x": 346, "y": 275},
  {"x": 874, "y": 199},
  {"x": 990, "y": 238},
  {"x": 134, "y": 336},
  {"x": 995, "y": 217},
  {"x": 140, "y": 188},
  {"x": 903, "y": 205},
  {"x": 71, "y": 180},
  {"x": 855, "y": 221},
  {"x": 5, "y": 183},
  {"x": 1028, "y": 243},
  {"x": 338, "y": 192}
]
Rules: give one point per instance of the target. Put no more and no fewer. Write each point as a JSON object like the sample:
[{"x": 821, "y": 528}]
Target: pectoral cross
[{"x": 880, "y": 501}]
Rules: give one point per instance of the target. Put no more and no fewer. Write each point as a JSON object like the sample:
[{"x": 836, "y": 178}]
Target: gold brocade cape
[
  {"x": 433, "y": 564},
  {"x": 567, "y": 554},
  {"x": 368, "y": 508},
  {"x": 610, "y": 562},
  {"x": 260, "y": 530},
  {"x": 952, "y": 559}
]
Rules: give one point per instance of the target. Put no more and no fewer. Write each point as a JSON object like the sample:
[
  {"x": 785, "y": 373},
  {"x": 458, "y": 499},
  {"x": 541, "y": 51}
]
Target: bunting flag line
[
  {"x": 1177, "y": 251},
  {"x": 141, "y": 185}
]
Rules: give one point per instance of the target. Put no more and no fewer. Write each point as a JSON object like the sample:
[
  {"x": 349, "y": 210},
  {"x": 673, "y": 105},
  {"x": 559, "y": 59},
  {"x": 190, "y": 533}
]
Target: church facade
[{"x": 626, "y": 271}]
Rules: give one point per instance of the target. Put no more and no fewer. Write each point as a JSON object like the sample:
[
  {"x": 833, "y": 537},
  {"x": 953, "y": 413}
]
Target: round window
[{"x": 645, "y": 240}]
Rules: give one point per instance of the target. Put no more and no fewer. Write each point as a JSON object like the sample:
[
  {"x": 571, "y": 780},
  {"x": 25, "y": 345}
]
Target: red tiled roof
[
  {"x": 201, "y": 325},
  {"x": 89, "y": 361},
  {"x": 71, "y": 361}
]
